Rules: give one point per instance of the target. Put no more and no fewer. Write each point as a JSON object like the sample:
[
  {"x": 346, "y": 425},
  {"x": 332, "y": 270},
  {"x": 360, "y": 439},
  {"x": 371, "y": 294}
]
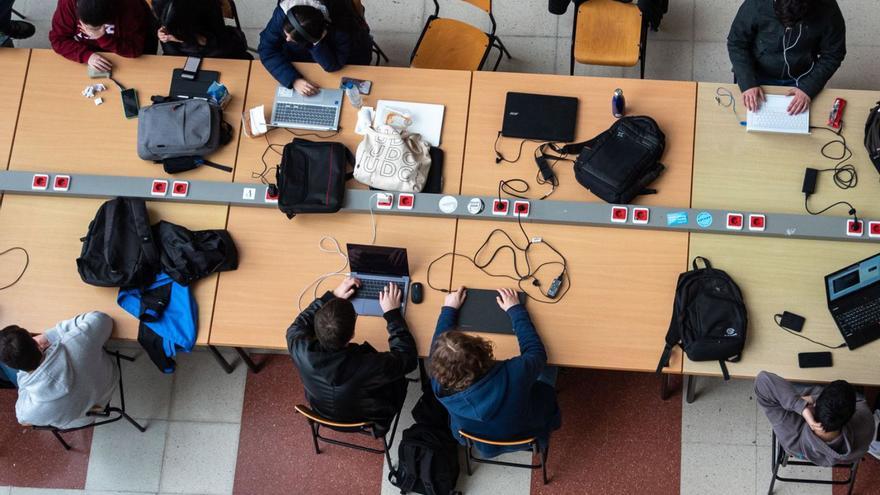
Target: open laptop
[
  {"x": 481, "y": 313},
  {"x": 376, "y": 267},
  {"x": 317, "y": 113},
  {"x": 854, "y": 301},
  {"x": 773, "y": 117},
  {"x": 540, "y": 117}
]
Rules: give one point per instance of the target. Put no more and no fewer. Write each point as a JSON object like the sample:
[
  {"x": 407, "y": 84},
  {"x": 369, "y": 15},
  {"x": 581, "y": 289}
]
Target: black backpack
[
  {"x": 620, "y": 163},
  {"x": 189, "y": 255},
  {"x": 311, "y": 177},
  {"x": 709, "y": 318},
  {"x": 872, "y": 136},
  {"x": 119, "y": 249}
]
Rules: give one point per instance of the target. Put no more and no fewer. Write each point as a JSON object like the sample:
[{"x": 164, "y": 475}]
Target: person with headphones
[
  {"x": 195, "y": 28},
  {"x": 329, "y": 33},
  {"x": 798, "y": 43}
]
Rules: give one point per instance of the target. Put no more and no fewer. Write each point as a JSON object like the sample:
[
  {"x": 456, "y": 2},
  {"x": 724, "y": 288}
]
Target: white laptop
[
  {"x": 319, "y": 112},
  {"x": 773, "y": 117}
]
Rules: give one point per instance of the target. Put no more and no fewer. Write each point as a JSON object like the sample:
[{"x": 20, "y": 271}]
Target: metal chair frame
[
  {"x": 366, "y": 428},
  {"x": 533, "y": 446},
  {"x": 643, "y": 44},
  {"x": 781, "y": 458}
]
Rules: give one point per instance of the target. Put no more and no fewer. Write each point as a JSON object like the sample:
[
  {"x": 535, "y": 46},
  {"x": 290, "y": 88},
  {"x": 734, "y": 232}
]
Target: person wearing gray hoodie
[
  {"x": 62, "y": 373},
  {"x": 825, "y": 425}
]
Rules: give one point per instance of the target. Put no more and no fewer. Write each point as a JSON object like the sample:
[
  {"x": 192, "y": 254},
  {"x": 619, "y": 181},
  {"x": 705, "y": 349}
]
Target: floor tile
[
  {"x": 668, "y": 60},
  {"x": 867, "y": 479},
  {"x": 712, "y": 63},
  {"x": 125, "y": 459},
  {"x": 395, "y": 15},
  {"x": 43, "y": 491},
  {"x": 35, "y": 10},
  {"x": 723, "y": 413},
  {"x": 530, "y": 54},
  {"x": 255, "y": 13},
  {"x": 763, "y": 475},
  {"x": 4, "y": 490},
  {"x": 712, "y": 19},
  {"x": 204, "y": 392},
  {"x": 397, "y": 46},
  {"x": 489, "y": 480},
  {"x": 200, "y": 458},
  {"x": 563, "y": 58},
  {"x": 147, "y": 390},
  {"x": 859, "y": 70},
  {"x": 861, "y": 21},
  {"x": 763, "y": 430},
  {"x": 275, "y": 453},
  {"x": 708, "y": 469},
  {"x": 516, "y": 17}
]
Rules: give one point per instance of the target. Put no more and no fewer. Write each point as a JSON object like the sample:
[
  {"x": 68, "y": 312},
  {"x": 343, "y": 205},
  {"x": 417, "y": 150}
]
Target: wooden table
[
  {"x": 60, "y": 130},
  {"x": 764, "y": 172},
  {"x": 13, "y": 68},
  {"x": 618, "y": 309},
  {"x": 280, "y": 257}
]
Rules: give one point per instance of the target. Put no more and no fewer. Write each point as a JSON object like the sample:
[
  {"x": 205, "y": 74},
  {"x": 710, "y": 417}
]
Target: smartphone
[
  {"x": 364, "y": 87},
  {"x": 130, "y": 103},
  {"x": 814, "y": 359},
  {"x": 191, "y": 68}
]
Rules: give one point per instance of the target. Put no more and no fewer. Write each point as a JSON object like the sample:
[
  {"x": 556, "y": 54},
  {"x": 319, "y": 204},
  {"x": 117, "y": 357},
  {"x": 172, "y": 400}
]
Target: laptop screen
[
  {"x": 379, "y": 260},
  {"x": 853, "y": 278}
]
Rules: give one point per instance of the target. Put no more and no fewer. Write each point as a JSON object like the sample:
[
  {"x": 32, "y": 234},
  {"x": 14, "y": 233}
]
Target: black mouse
[{"x": 417, "y": 293}]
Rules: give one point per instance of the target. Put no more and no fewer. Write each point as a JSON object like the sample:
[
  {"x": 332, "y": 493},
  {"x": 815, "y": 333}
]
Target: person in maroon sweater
[{"x": 81, "y": 28}]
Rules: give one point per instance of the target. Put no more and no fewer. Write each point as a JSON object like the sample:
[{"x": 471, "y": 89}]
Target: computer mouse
[{"x": 417, "y": 293}]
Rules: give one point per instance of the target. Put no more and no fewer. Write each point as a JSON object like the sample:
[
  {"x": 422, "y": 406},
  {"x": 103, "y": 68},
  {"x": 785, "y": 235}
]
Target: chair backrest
[
  {"x": 317, "y": 418},
  {"x": 508, "y": 443}
]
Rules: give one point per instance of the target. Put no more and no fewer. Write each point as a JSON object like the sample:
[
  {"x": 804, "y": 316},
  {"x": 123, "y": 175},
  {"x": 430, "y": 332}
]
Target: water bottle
[
  {"x": 618, "y": 104},
  {"x": 354, "y": 96}
]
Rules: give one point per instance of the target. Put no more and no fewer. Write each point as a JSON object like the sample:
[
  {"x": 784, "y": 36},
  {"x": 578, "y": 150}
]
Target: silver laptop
[
  {"x": 318, "y": 113},
  {"x": 773, "y": 117},
  {"x": 376, "y": 267}
]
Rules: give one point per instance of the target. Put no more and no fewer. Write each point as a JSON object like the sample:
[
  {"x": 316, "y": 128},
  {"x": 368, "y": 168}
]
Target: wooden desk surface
[
  {"x": 13, "y": 68},
  {"x": 764, "y": 172},
  {"x": 670, "y": 103},
  {"x": 279, "y": 257}
]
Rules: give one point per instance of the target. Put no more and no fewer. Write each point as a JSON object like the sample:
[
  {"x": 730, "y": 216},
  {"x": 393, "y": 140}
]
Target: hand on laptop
[
  {"x": 305, "y": 88},
  {"x": 507, "y": 299},
  {"x": 752, "y": 98},
  {"x": 456, "y": 299},
  {"x": 346, "y": 289},
  {"x": 800, "y": 103},
  {"x": 390, "y": 298}
]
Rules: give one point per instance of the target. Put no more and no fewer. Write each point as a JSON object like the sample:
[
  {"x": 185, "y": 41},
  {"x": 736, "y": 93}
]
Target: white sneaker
[{"x": 874, "y": 449}]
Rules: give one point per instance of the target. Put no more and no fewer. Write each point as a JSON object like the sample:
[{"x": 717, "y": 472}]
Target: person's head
[
  {"x": 186, "y": 20},
  {"x": 18, "y": 349},
  {"x": 96, "y": 13},
  {"x": 334, "y": 324},
  {"x": 458, "y": 360},
  {"x": 311, "y": 21},
  {"x": 791, "y": 12},
  {"x": 835, "y": 405}
]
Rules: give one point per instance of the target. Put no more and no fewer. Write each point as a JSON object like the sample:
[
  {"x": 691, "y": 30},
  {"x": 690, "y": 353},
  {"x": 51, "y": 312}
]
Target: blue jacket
[
  {"x": 177, "y": 324},
  {"x": 508, "y": 402},
  {"x": 337, "y": 49}
]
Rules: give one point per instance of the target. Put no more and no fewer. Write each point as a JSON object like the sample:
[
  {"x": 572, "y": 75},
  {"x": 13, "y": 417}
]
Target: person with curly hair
[{"x": 496, "y": 400}]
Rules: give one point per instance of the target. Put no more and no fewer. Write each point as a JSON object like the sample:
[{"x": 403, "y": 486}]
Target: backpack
[
  {"x": 311, "y": 177},
  {"x": 872, "y": 136},
  {"x": 188, "y": 255},
  {"x": 171, "y": 129},
  {"x": 620, "y": 163},
  {"x": 119, "y": 249},
  {"x": 709, "y": 318}
]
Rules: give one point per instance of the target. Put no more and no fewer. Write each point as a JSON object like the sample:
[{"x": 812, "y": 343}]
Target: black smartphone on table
[
  {"x": 130, "y": 103},
  {"x": 814, "y": 359}
]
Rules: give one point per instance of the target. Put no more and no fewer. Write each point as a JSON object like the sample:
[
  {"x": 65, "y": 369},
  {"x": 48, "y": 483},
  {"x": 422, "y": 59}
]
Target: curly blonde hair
[{"x": 458, "y": 360}]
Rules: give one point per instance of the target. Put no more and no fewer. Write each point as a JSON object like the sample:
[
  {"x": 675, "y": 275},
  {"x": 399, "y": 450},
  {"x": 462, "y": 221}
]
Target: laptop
[
  {"x": 376, "y": 267},
  {"x": 540, "y": 117},
  {"x": 481, "y": 313},
  {"x": 192, "y": 88},
  {"x": 853, "y": 295},
  {"x": 773, "y": 117},
  {"x": 317, "y": 113}
]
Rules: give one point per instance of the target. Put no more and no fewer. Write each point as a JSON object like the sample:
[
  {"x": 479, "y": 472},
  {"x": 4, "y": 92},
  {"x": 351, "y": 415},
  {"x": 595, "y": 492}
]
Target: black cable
[
  {"x": 778, "y": 318},
  {"x": 852, "y": 210},
  {"x": 501, "y": 158},
  {"x": 845, "y": 175},
  {"x": 517, "y": 188},
  {"x": 27, "y": 261}
]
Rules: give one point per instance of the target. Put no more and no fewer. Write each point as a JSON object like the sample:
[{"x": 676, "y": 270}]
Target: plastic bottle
[{"x": 354, "y": 96}]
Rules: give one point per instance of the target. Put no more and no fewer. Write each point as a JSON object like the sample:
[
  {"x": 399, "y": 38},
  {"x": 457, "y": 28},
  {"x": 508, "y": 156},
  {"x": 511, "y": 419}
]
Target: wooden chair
[
  {"x": 452, "y": 44},
  {"x": 526, "y": 444},
  {"x": 780, "y": 457},
  {"x": 316, "y": 421},
  {"x": 607, "y": 32}
]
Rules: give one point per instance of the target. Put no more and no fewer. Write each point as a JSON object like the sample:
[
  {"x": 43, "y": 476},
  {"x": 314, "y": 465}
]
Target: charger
[{"x": 811, "y": 175}]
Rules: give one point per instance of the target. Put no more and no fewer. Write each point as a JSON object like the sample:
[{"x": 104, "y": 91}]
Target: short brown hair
[
  {"x": 18, "y": 349},
  {"x": 458, "y": 360},
  {"x": 334, "y": 324}
]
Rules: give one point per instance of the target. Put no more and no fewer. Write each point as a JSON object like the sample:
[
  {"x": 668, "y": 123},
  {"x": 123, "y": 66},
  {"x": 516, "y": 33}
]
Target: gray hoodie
[
  {"x": 75, "y": 375},
  {"x": 783, "y": 406}
]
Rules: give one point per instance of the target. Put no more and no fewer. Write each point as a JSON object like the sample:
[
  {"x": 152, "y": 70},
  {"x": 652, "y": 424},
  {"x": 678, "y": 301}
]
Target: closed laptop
[{"x": 540, "y": 117}]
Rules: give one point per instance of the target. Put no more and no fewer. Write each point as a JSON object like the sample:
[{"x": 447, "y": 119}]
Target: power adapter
[
  {"x": 810, "y": 177},
  {"x": 553, "y": 291},
  {"x": 544, "y": 167}
]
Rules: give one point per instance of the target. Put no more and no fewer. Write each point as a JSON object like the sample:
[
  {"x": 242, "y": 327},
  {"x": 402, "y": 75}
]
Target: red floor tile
[
  {"x": 34, "y": 458},
  {"x": 275, "y": 453},
  {"x": 617, "y": 436}
]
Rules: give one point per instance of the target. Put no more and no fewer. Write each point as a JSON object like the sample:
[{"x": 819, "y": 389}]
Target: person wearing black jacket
[
  {"x": 196, "y": 28},
  {"x": 798, "y": 43},
  {"x": 345, "y": 381}
]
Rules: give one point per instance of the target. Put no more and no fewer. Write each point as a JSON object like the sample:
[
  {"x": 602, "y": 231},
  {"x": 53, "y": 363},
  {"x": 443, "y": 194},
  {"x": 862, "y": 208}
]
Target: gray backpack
[{"x": 178, "y": 128}]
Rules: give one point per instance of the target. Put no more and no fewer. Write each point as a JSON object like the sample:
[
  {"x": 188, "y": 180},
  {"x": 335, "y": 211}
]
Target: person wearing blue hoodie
[
  {"x": 330, "y": 33},
  {"x": 503, "y": 400}
]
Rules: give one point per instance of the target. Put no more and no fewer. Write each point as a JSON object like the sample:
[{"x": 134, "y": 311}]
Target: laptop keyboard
[
  {"x": 316, "y": 115},
  {"x": 370, "y": 289},
  {"x": 859, "y": 317}
]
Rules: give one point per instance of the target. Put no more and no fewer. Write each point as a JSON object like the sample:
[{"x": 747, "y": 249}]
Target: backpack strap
[
  {"x": 109, "y": 217},
  {"x": 724, "y": 370},
  {"x": 425, "y": 472},
  {"x": 409, "y": 479},
  {"x": 142, "y": 226},
  {"x": 705, "y": 262},
  {"x": 575, "y": 148},
  {"x": 673, "y": 335}
]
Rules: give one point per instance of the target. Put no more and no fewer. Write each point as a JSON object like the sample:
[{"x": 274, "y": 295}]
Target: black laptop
[
  {"x": 854, "y": 301},
  {"x": 540, "y": 117},
  {"x": 481, "y": 313},
  {"x": 192, "y": 88}
]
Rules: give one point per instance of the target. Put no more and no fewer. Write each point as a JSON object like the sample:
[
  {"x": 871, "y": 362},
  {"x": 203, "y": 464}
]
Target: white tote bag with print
[{"x": 392, "y": 161}]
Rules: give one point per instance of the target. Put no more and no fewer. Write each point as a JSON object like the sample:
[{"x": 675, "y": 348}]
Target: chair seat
[
  {"x": 608, "y": 33},
  {"x": 451, "y": 44},
  {"x": 506, "y": 443}
]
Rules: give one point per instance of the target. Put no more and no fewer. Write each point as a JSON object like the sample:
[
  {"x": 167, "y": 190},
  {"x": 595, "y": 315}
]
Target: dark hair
[
  {"x": 188, "y": 19},
  {"x": 18, "y": 349},
  {"x": 311, "y": 20},
  {"x": 835, "y": 405},
  {"x": 790, "y": 12},
  {"x": 96, "y": 12},
  {"x": 458, "y": 360},
  {"x": 334, "y": 324}
]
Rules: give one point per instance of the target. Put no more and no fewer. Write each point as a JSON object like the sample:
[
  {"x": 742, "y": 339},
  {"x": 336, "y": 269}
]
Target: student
[
  {"x": 798, "y": 43},
  {"x": 9, "y": 29},
  {"x": 825, "y": 425},
  {"x": 62, "y": 373},
  {"x": 82, "y": 28},
  {"x": 195, "y": 28},
  {"x": 345, "y": 381},
  {"x": 506, "y": 400},
  {"x": 332, "y": 37}
]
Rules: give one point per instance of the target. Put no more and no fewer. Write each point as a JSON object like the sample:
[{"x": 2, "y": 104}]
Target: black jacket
[
  {"x": 356, "y": 383},
  {"x": 756, "y": 45},
  {"x": 653, "y": 10},
  {"x": 229, "y": 43}
]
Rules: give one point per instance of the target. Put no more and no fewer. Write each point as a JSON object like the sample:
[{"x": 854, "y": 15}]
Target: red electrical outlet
[
  {"x": 521, "y": 208},
  {"x": 874, "y": 229},
  {"x": 384, "y": 201},
  {"x": 180, "y": 188},
  {"x": 405, "y": 201},
  {"x": 734, "y": 221},
  {"x": 854, "y": 228},
  {"x": 757, "y": 222},
  {"x": 271, "y": 195},
  {"x": 160, "y": 187},
  {"x": 619, "y": 214},
  {"x": 40, "y": 182},
  {"x": 500, "y": 207},
  {"x": 61, "y": 183},
  {"x": 641, "y": 215}
]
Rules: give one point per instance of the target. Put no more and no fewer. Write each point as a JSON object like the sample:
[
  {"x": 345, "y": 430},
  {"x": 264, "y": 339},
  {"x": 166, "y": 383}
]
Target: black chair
[
  {"x": 526, "y": 444},
  {"x": 782, "y": 458},
  {"x": 107, "y": 411},
  {"x": 316, "y": 421}
]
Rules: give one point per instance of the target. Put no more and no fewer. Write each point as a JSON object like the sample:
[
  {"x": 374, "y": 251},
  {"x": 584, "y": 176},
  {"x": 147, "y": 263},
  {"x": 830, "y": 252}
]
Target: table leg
[
  {"x": 228, "y": 368},
  {"x": 254, "y": 367},
  {"x": 664, "y": 386},
  {"x": 691, "y": 386}
]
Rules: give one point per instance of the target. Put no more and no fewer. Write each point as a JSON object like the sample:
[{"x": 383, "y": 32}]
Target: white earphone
[{"x": 786, "y": 47}]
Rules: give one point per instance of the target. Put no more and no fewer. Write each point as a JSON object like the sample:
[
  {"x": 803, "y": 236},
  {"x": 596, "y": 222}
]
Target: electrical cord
[
  {"x": 845, "y": 175},
  {"x": 729, "y": 102},
  {"x": 778, "y": 318},
  {"x": 517, "y": 188},
  {"x": 501, "y": 158},
  {"x": 27, "y": 262}
]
